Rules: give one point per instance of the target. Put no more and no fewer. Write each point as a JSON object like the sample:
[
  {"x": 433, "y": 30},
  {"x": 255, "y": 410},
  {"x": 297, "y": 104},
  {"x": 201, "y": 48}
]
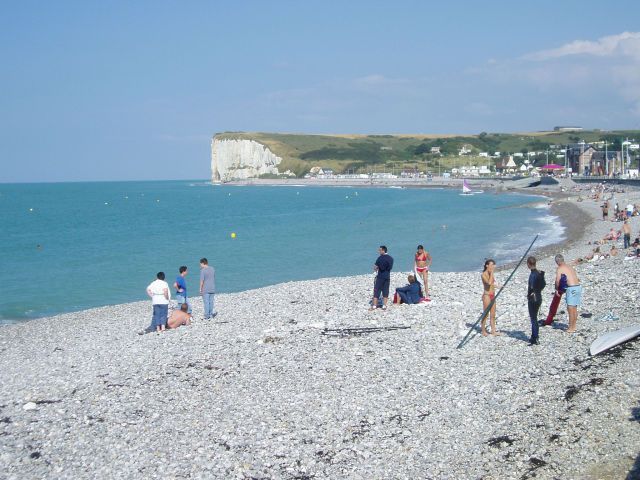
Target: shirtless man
[
  {"x": 179, "y": 317},
  {"x": 573, "y": 293},
  {"x": 626, "y": 231}
]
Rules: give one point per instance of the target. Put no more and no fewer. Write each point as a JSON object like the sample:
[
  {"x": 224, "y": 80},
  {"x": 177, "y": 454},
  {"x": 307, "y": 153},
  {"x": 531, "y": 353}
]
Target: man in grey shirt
[{"x": 207, "y": 288}]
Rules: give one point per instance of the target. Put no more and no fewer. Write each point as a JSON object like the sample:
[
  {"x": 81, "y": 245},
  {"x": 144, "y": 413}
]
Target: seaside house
[
  {"x": 511, "y": 165},
  {"x": 435, "y": 150},
  {"x": 464, "y": 150},
  {"x": 410, "y": 173},
  {"x": 585, "y": 159},
  {"x": 316, "y": 171}
]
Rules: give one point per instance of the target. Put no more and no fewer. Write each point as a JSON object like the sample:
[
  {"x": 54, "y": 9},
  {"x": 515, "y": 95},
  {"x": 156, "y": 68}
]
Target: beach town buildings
[{"x": 584, "y": 159}]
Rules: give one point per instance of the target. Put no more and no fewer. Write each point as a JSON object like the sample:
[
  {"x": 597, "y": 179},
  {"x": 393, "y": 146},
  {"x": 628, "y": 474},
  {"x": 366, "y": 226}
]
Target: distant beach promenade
[{"x": 271, "y": 389}]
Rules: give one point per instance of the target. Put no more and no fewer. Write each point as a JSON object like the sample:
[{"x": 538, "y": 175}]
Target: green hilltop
[{"x": 365, "y": 153}]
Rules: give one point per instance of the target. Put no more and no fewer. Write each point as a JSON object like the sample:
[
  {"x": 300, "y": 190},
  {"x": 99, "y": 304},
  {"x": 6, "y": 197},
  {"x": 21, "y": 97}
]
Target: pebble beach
[{"x": 300, "y": 381}]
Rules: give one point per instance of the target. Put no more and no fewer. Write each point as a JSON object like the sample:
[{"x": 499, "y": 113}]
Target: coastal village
[
  {"x": 563, "y": 152},
  {"x": 579, "y": 158}
]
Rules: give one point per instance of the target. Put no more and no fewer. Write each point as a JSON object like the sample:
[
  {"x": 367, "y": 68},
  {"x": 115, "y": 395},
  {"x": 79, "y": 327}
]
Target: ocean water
[{"x": 71, "y": 246}]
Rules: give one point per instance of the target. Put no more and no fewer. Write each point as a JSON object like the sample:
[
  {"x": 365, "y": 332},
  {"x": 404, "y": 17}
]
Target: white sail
[{"x": 465, "y": 187}]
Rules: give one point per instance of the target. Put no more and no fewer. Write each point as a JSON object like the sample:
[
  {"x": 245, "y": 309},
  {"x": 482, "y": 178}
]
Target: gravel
[{"x": 260, "y": 392}]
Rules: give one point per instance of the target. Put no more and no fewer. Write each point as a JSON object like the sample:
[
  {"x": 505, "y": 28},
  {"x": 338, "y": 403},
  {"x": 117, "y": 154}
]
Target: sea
[{"x": 72, "y": 246}]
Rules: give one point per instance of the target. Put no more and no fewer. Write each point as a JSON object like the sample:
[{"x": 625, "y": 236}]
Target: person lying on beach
[
  {"x": 409, "y": 293},
  {"x": 179, "y": 317},
  {"x": 612, "y": 235},
  {"x": 488, "y": 297},
  {"x": 593, "y": 256}
]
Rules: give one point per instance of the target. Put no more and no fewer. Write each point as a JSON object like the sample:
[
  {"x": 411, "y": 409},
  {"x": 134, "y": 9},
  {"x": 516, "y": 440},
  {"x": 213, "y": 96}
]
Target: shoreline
[
  {"x": 264, "y": 392},
  {"x": 543, "y": 193}
]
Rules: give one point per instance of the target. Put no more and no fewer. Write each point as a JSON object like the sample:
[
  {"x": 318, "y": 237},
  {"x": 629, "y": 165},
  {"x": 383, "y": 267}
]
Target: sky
[{"x": 134, "y": 90}]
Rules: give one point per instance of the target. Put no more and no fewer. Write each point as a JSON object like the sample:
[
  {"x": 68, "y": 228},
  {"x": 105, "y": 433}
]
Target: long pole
[{"x": 486, "y": 310}]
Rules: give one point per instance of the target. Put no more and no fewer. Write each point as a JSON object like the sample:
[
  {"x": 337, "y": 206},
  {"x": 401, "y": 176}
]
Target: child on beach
[
  {"x": 158, "y": 291},
  {"x": 488, "y": 297}
]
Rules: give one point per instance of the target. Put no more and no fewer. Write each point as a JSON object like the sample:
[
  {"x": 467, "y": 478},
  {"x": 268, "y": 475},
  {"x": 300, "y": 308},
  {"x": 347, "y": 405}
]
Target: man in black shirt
[{"x": 383, "y": 267}]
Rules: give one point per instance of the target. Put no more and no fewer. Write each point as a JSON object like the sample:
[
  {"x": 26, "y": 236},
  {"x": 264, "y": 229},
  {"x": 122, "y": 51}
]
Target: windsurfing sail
[
  {"x": 611, "y": 339},
  {"x": 465, "y": 187}
]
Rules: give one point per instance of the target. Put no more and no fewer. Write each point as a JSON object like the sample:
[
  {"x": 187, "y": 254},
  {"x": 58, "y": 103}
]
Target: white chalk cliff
[{"x": 241, "y": 159}]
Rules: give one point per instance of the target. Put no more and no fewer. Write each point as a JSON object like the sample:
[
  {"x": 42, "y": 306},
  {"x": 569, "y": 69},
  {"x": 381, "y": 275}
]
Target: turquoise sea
[{"x": 71, "y": 246}]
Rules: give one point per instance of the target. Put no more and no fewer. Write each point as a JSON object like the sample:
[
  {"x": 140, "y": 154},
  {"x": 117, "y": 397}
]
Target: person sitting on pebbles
[
  {"x": 179, "y": 317},
  {"x": 409, "y": 293}
]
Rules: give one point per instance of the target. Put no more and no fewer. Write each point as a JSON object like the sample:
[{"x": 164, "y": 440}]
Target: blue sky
[{"x": 120, "y": 90}]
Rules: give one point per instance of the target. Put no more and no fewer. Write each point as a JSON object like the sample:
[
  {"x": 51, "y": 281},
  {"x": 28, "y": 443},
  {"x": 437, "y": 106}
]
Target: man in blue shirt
[
  {"x": 181, "y": 289},
  {"x": 383, "y": 267}
]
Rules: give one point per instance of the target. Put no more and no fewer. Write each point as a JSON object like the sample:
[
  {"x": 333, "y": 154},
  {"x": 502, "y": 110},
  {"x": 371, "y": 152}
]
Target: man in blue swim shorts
[{"x": 573, "y": 293}]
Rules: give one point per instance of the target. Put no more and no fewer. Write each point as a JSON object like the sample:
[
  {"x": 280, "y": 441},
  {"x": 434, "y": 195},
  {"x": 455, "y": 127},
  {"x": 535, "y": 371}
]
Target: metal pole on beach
[{"x": 486, "y": 310}]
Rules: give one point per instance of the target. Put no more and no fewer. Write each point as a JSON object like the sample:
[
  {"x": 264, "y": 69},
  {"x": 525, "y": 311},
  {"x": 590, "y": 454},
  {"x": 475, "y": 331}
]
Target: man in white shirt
[{"x": 158, "y": 290}]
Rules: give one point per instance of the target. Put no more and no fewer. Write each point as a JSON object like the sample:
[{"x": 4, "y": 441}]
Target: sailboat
[{"x": 466, "y": 190}]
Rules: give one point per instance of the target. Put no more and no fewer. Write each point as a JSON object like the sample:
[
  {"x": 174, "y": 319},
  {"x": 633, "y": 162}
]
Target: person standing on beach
[
  {"x": 626, "y": 231},
  {"x": 573, "y": 291},
  {"x": 534, "y": 297},
  {"x": 488, "y": 297},
  {"x": 605, "y": 210},
  {"x": 158, "y": 290},
  {"x": 383, "y": 267},
  {"x": 181, "y": 289},
  {"x": 422, "y": 262},
  {"x": 207, "y": 288}
]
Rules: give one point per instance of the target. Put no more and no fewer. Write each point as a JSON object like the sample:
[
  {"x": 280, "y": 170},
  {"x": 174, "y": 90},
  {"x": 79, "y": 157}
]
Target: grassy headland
[{"x": 365, "y": 153}]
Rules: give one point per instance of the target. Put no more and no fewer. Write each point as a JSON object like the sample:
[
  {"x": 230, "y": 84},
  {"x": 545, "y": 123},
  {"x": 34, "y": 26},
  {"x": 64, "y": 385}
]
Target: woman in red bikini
[
  {"x": 488, "y": 294},
  {"x": 421, "y": 266}
]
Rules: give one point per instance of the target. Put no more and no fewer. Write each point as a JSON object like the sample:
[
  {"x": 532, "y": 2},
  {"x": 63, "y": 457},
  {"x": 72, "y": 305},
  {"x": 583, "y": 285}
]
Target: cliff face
[{"x": 241, "y": 159}]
